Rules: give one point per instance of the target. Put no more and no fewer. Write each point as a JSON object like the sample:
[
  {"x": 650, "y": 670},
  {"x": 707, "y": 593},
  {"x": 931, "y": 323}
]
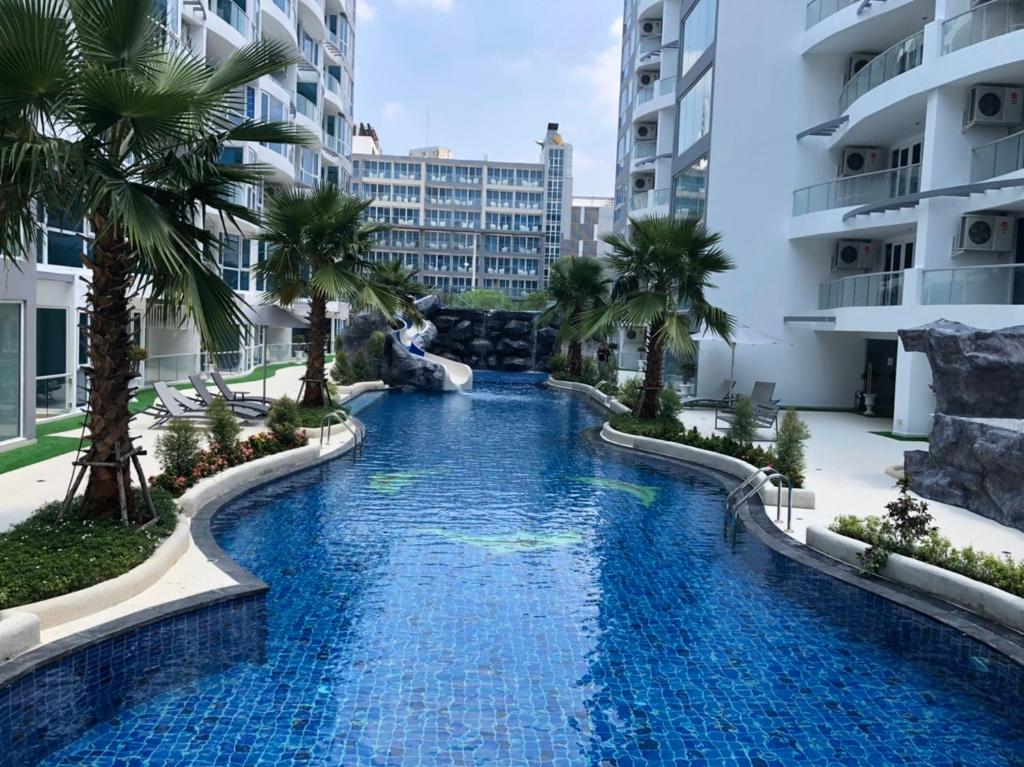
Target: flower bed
[{"x": 215, "y": 459}]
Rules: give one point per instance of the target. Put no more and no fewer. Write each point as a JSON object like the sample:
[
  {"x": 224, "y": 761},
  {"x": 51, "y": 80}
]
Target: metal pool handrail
[
  {"x": 342, "y": 418},
  {"x": 732, "y": 506}
]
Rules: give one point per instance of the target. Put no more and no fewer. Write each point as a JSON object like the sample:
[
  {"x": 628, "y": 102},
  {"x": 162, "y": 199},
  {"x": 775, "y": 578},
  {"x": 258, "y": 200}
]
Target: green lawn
[{"x": 49, "y": 446}]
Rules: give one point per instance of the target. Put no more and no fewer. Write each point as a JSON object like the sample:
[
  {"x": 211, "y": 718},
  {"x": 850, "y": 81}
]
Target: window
[
  {"x": 697, "y": 33},
  {"x": 10, "y": 370},
  {"x": 694, "y": 112},
  {"x": 501, "y": 176},
  {"x": 689, "y": 190},
  {"x": 272, "y": 110},
  {"x": 234, "y": 261},
  {"x": 64, "y": 241}
]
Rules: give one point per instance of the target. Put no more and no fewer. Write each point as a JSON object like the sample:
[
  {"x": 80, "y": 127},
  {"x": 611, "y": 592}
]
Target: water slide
[{"x": 457, "y": 377}]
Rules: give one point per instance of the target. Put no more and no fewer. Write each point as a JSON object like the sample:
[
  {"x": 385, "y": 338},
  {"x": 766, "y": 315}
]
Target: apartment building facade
[
  {"x": 864, "y": 162},
  {"x": 590, "y": 218},
  {"x": 42, "y": 349},
  {"x": 470, "y": 224}
]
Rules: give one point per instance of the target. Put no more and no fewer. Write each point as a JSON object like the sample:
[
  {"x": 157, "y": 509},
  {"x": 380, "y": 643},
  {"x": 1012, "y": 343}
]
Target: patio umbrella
[
  {"x": 270, "y": 316},
  {"x": 744, "y": 335}
]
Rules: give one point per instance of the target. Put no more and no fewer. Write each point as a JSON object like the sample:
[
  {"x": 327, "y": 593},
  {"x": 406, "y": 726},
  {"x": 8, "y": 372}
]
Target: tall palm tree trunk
[
  {"x": 652, "y": 374},
  {"x": 313, "y": 395},
  {"x": 575, "y": 358},
  {"x": 109, "y": 376}
]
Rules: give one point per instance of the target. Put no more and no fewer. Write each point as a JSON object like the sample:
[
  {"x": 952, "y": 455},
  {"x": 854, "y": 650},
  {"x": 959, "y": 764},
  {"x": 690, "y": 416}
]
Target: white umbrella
[{"x": 744, "y": 335}]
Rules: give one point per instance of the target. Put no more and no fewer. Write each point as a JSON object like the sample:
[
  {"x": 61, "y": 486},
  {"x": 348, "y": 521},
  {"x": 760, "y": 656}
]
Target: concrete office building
[
  {"x": 591, "y": 217},
  {"x": 864, "y": 162},
  {"x": 41, "y": 306},
  {"x": 468, "y": 224}
]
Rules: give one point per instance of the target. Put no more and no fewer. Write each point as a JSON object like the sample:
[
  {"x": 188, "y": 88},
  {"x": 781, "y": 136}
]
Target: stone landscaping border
[
  {"x": 221, "y": 489},
  {"x": 604, "y": 400},
  {"x": 980, "y": 598}
]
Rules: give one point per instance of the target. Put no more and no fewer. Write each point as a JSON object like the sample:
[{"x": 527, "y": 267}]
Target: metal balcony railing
[
  {"x": 876, "y": 289},
  {"x": 995, "y": 18},
  {"x": 905, "y": 55},
  {"x": 857, "y": 190}
]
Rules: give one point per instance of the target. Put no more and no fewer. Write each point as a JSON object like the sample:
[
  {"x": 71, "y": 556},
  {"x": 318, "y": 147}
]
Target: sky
[{"x": 492, "y": 74}]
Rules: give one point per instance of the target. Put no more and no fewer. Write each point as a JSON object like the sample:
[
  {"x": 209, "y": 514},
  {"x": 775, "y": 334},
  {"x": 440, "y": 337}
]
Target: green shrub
[
  {"x": 284, "y": 420},
  {"x": 559, "y": 364},
  {"x": 224, "y": 429},
  {"x": 631, "y": 391},
  {"x": 670, "y": 405},
  {"x": 534, "y": 302},
  {"x": 789, "y": 448},
  {"x": 42, "y": 557},
  {"x": 908, "y": 518},
  {"x": 178, "y": 448},
  {"x": 339, "y": 343},
  {"x": 377, "y": 346},
  {"x": 743, "y": 428},
  {"x": 341, "y": 371},
  {"x": 485, "y": 299},
  {"x": 588, "y": 372},
  {"x": 608, "y": 371},
  {"x": 361, "y": 370}
]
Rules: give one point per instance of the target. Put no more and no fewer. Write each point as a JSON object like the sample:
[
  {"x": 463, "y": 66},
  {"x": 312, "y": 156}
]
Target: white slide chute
[{"x": 457, "y": 377}]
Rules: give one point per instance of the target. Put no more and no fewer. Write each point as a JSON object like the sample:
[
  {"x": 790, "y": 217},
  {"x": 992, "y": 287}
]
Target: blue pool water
[{"x": 483, "y": 587}]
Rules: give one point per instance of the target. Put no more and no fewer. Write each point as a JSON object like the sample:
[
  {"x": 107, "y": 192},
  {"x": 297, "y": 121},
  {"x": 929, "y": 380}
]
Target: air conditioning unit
[
  {"x": 643, "y": 184},
  {"x": 857, "y": 62},
  {"x": 861, "y": 159},
  {"x": 650, "y": 28},
  {"x": 646, "y": 131},
  {"x": 648, "y": 78},
  {"x": 994, "y": 105},
  {"x": 854, "y": 254},
  {"x": 990, "y": 234}
]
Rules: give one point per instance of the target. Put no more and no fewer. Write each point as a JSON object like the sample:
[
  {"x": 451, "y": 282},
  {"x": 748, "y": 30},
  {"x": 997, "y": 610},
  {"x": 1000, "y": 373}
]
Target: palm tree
[
  {"x": 664, "y": 268},
  {"x": 317, "y": 242},
  {"x": 99, "y": 119},
  {"x": 577, "y": 284},
  {"x": 398, "y": 279}
]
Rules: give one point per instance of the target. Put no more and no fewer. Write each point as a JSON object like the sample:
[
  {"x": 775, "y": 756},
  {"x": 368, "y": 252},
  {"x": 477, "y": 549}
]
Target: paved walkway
[{"x": 846, "y": 466}]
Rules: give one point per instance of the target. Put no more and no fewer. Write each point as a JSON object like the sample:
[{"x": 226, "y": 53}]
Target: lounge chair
[
  {"x": 244, "y": 408},
  {"x": 721, "y": 398},
  {"x": 237, "y": 396},
  {"x": 766, "y": 409},
  {"x": 172, "y": 404}
]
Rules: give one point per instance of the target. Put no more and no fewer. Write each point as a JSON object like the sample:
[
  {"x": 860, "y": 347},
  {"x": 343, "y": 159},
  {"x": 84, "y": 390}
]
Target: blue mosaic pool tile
[{"x": 500, "y": 611}]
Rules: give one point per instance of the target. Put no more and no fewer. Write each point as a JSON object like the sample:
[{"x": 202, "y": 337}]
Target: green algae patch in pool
[
  {"x": 395, "y": 482},
  {"x": 645, "y": 493},
  {"x": 511, "y": 544}
]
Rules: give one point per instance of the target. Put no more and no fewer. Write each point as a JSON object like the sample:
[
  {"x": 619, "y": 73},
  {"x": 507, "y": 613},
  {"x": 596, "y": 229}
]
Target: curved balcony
[
  {"x": 995, "y": 284},
  {"x": 998, "y": 158},
  {"x": 993, "y": 19},
  {"x": 655, "y": 198},
  {"x": 279, "y": 20},
  {"x": 875, "y": 289},
  {"x": 236, "y": 18},
  {"x": 906, "y": 55},
  {"x": 654, "y": 98},
  {"x": 308, "y": 113},
  {"x": 853, "y": 191},
  {"x": 817, "y": 10}
]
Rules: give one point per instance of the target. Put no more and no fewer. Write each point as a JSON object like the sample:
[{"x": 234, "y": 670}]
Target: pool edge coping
[{"x": 201, "y": 533}]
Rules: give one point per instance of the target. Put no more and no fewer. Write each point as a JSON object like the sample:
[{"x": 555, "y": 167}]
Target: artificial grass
[
  {"x": 42, "y": 558},
  {"x": 257, "y": 374},
  {"x": 901, "y": 437},
  {"x": 43, "y": 449}
]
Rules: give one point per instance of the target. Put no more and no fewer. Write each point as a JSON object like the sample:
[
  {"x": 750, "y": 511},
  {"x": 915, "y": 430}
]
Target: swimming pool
[{"x": 480, "y": 586}]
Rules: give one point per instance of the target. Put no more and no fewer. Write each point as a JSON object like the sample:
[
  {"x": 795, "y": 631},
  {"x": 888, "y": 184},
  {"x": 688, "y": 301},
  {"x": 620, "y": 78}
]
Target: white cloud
[
  {"x": 582, "y": 160},
  {"x": 366, "y": 12},
  {"x": 444, "y": 6},
  {"x": 615, "y": 30},
  {"x": 598, "y": 80},
  {"x": 393, "y": 110}
]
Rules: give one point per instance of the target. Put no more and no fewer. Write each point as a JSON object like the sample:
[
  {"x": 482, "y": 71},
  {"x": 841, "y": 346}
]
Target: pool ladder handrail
[
  {"x": 606, "y": 395},
  {"x": 341, "y": 418},
  {"x": 748, "y": 487}
]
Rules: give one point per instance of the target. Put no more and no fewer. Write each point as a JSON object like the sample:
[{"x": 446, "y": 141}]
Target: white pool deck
[{"x": 846, "y": 466}]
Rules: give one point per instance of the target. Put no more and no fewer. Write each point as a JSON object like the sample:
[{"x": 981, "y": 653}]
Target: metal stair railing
[{"x": 749, "y": 487}]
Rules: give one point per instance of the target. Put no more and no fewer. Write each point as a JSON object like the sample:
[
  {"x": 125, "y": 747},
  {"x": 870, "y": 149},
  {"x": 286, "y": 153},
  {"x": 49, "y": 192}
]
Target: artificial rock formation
[
  {"x": 976, "y": 449},
  {"x": 492, "y": 340}
]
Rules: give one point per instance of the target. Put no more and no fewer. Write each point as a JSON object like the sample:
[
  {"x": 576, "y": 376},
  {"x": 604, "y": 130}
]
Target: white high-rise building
[
  {"x": 864, "y": 162},
  {"x": 41, "y": 307}
]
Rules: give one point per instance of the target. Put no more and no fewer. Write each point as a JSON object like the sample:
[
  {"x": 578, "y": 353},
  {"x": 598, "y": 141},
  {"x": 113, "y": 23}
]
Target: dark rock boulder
[
  {"x": 515, "y": 365},
  {"x": 481, "y": 347},
  {"x": 462, "y": 331},
  {"x": 517, "y": 328},
  {"x": 404, "y": 369},
  {"x": 975, "y": 372},
  {"x": 507, "y": 347}
]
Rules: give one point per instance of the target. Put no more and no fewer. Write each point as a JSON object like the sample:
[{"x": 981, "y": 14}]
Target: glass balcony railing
[
  {"x": 667, "y": 85},
  {"x": 1001, "y": 284},
  {"x": 995, "y": 18},
  {"x": 285, "y": 6},
  {"x": 648, "y": 45},
  {"x": 822, "y": 9},
  {"x": 998, "y": 158},
  {"x": 857, "y": 190},
  {"x": 236, "y": 17},
  {"x": 652, "y": 198},
  {"x": 877, "y": 289},
  {"x": 645, "y": 94},
  {"x": 644, "y": 149},
  {"x": 902, "y": 57},
  {"x": 55, "y": 395},
  {"x": 307, "y": 108}
]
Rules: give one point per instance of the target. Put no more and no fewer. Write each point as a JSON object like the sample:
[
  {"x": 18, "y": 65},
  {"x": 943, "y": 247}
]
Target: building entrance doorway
[{"x": 880, "y": 374}]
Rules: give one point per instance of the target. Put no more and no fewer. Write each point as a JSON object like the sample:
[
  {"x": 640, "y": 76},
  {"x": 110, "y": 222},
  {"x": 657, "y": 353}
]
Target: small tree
[
  {"x": 341, "y": 371},
  {"x": 743, "y": 428},
  {"x": 361, "y": 370},
  {"x": 670, "y": 405},
  {"x": 284, "y": 422},
  {"x": 789, "y": 450},
  {"x": 178, "y": 448},
  {"x": 908, "y": 518},
  {"x": 377, "y": 346},
  {"x": 224, "y": 429}
]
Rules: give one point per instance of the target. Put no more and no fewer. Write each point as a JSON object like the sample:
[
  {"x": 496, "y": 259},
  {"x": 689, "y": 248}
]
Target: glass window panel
[
  {"x": 697, "y": 33},
  {"x": 694, "y": 113},
  {"x": 63, "y": 249},
  {"x": 51, "y": 342}
]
